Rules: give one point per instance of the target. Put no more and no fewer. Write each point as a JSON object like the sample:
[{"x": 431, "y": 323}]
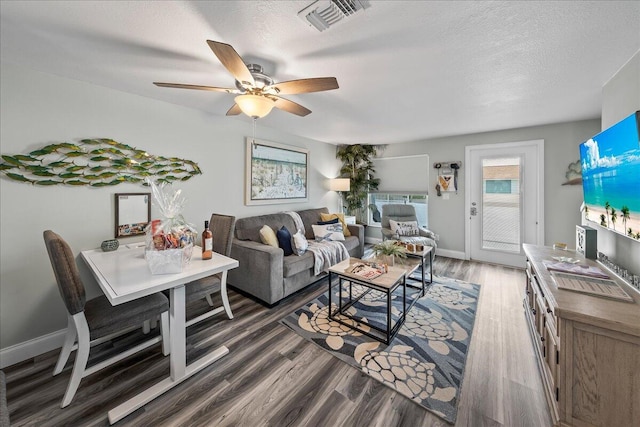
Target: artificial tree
[{"x": 357, "y": 165}]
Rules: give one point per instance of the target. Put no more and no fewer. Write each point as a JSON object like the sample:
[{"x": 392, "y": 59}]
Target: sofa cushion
[
  {"x": 296, "y": 264},
  {"x": 248, "y": 228},
  {"x": 310, "y": 217},
  {"x": 284, "y": 240},
  {"x": 351, "y": 242},
  {"x": 340, "y": 217},
  {"x": 252, "y": 234},
  {"x": 268, "y": 236},
  {"x": 404, "y": 228},
  {"x": 328, "y": 232},
  {"x": 329, "y": 221},
  {"x": 300, "y": 244}
]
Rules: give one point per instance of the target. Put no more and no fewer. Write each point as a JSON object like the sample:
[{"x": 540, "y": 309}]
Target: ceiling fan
[{"x": 257, "y": 92}]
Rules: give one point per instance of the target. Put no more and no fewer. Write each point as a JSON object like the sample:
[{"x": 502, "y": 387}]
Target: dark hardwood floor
[{"x": 273, "y": 377}]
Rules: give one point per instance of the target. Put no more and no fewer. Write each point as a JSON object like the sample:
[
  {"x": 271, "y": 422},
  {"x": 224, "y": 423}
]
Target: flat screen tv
[{"x": 611, "y": 177}]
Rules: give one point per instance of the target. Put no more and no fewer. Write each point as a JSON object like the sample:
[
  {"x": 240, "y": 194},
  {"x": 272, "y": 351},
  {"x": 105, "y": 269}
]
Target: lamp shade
[
  {"x": 340, "y": 184},
  {"x": 255, "y": 105}
]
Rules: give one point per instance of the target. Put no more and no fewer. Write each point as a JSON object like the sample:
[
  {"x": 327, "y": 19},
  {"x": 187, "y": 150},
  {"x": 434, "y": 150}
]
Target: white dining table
[{"x": 123, "y": 275}]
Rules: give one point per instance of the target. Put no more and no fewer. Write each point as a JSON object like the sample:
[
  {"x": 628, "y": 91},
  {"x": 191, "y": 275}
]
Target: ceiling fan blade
[
  {"x": 291, "y": 107},
  {"x": 317, "y": 84},
  {"x": 232, "y": 62},
  {"x": 211, "y": 88},
  {"x": 234, "y": 110}
]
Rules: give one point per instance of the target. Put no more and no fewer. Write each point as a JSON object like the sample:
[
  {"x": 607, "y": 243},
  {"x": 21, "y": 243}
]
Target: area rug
[{"x": 425, "y": 361}]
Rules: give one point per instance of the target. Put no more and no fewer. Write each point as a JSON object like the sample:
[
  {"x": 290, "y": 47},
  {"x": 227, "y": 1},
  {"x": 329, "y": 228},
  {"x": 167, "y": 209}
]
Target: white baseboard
[
  {"x": 28, "y": 349},
  {"x": 450, "y": 254}
]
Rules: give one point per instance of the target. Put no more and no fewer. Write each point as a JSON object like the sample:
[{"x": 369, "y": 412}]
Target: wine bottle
[{"x": 207, "y": 242}]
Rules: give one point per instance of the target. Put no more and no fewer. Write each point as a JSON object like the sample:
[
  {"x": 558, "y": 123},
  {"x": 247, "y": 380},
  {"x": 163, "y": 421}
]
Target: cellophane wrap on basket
[{"x": 169, "y": 240}]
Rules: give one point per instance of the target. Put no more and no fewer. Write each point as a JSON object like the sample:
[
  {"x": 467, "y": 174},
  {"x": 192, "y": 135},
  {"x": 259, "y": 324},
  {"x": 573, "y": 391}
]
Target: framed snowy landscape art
[{"x": 275, "y": 173}]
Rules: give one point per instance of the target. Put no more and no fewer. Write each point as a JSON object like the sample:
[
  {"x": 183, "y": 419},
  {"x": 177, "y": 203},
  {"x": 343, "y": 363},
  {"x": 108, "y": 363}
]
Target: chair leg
[
  {"x": 67, "y": 347},
  {"x": 146, "y": 327},
  {"x": 164, "y": 331},
  {"x": 82, "y": 356},
  {"x": 223, "y": 294},
  {"x": 209, "y": 300}
]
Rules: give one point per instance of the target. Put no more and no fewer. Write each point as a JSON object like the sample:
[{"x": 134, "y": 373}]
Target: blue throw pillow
[
  {"x": 331, "y": 221},
  {"x": 284, "y": 240}
]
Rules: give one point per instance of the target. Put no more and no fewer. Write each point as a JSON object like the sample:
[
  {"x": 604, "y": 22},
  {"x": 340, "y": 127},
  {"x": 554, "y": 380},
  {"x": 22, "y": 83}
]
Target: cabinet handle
[
  {"x": 533, "y": 310},
  {"x": 549, "y": 310},
  {"x": 542, "y": 339}
]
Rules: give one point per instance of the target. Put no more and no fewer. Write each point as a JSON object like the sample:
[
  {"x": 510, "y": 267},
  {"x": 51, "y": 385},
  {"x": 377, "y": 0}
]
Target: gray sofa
[{"x": 264, "y": 271}]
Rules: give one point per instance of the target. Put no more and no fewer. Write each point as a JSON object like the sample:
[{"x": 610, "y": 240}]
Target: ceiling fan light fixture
[{"x": 255, "y": 106}]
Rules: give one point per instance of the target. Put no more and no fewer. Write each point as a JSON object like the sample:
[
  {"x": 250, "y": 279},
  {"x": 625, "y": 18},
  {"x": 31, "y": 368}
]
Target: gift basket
[{"x": 169, "y": 240}]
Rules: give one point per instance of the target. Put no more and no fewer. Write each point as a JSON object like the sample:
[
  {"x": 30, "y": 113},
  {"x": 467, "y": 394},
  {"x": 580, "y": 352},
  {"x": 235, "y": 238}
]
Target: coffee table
[{"x": 388, "y": 283}]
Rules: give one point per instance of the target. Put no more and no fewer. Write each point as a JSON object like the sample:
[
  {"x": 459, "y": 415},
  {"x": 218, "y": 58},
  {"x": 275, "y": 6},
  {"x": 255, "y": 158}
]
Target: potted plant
[
  {"x": 357, "y": 164},
  {"x": 387, "y": 250}
]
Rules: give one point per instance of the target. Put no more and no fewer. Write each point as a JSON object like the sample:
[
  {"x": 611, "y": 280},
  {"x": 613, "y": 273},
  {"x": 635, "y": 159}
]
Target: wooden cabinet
[{"x": 588, "y": 348}]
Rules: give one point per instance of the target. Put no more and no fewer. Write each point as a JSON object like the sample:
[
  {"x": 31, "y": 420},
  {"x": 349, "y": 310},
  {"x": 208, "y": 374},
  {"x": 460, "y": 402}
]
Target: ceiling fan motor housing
[{"x": 260, "y": 78}]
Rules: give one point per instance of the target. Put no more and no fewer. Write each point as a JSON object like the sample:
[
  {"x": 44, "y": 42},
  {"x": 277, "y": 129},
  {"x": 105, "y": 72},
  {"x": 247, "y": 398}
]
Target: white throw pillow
[
  {"x": 328, "y": 232},
  {"x": 404, "y": 228},
  {"x": 300, "y": 244},
  {"x": 268, "y": 236}
]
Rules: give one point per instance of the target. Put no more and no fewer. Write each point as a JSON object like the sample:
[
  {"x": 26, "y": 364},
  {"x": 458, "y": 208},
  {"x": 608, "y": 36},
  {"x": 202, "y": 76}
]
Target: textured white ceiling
[{"x": 407, "y": 70}]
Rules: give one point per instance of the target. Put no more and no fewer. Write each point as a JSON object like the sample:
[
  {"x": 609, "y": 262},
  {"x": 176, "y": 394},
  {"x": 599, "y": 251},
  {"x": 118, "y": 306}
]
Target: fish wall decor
[{"x": 97, "y": 162}]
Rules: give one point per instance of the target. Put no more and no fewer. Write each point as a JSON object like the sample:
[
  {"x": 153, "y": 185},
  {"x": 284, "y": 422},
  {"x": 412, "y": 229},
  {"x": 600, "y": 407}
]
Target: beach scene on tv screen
[{"x": 611, "y": 178}]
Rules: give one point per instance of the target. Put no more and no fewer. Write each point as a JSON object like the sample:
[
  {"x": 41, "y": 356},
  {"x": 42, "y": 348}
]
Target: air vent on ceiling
[{"x": 324, "y": 13}]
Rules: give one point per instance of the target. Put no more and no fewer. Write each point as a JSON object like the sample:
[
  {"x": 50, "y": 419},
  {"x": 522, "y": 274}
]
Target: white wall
[
  {"x": 562, "y": 203},
  {"x": 38, "y": 109},
  {"x": 620, "y": 98}
]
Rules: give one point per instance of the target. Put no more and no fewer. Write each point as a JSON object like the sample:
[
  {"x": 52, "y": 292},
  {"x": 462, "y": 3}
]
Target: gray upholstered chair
[
  {"x": 402, "y": 213},
  {"x": 96, "y": 321},
  {"x": 222, "y": 227}
]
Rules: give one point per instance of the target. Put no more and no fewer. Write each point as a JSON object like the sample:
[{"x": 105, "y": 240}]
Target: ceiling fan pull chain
[{"x": 254, "y": 131}]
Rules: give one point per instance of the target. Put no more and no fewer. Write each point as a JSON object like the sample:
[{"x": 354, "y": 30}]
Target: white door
[{"x": 504, "y": 201}]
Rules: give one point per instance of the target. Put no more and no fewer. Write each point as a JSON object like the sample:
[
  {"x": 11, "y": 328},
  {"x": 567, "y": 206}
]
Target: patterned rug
[{"x": 425, "y": 361}]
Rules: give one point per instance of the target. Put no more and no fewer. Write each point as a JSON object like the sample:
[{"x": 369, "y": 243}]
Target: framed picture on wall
[{"x": 275, "y": 173}]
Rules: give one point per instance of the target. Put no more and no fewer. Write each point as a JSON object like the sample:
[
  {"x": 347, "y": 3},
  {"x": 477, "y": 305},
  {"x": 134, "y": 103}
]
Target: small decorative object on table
[
  {"x": 109, "y": 245},
  {"x": 169, "y": 241},
  {"x": 586, "y": 241}
]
